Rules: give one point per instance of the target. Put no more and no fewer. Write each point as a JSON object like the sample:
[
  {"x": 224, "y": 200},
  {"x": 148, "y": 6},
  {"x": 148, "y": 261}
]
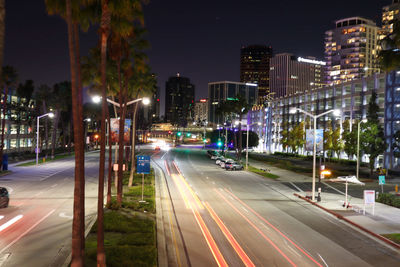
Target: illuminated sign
[
  {"x": 251, "y": 84},
  {"x": 335, "y": 72},
  {"x": 311, "y": 61},
  {"x": 203, "y": 100}
]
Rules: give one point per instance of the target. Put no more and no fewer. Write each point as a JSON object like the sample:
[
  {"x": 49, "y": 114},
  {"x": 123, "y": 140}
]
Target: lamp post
[
  {"x": 247, "y": 140},
  {"x": 204, "y": 133},
  {"x": 51, "y": 115},
  {"x": 358, "y": 145},
  {"x": 314, "y": 117}
]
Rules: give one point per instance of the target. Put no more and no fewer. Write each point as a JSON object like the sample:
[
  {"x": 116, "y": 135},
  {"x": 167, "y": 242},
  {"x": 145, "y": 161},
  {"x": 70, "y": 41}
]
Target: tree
[
  {"x": 9, "y": 79},
  {"x": 42, "y": 97},
  {"x": 285, "y": 133},
  {"x": 350, "y": 139},
  {"x": 297, "y": 137},
  {"x": 337, "y": 142},
  {"x": 372, "y": 137},
  {"x": 328, "y": 139},
  {"x": 23, "y": 107},
  {"x": 71, "y": 12}
]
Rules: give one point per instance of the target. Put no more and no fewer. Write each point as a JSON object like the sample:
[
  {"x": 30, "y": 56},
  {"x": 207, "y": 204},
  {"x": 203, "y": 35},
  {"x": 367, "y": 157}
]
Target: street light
[
  {"x": 51, "y": 115},
  {"x": 336, "y": 112},
  {"x": 145, "y": 100},
  {"x": 247, "y": 142},
  {"x": 358, "y": 145}
]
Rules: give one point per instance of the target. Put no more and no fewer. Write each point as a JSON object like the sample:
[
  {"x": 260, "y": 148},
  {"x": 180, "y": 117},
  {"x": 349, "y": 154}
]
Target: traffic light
[
  {"x": 205, "y": 140},
  {"x": 179, "y": 133},
  {"x": 219, "y": 143},
  {"x": 188, "y": 134}
]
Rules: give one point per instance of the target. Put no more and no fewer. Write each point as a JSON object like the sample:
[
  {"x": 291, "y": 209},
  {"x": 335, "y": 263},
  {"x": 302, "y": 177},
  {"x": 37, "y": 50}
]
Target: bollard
[
  {"x": 319, "y": 195},
  {"x": 44, "y": 160}
]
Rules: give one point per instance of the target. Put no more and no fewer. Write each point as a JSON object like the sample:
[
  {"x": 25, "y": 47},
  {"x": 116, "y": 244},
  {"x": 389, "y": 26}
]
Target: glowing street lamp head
[
  {"x": 51, "y": 115},
  {"x": 96, "y": 99},
  {"x": 337, "y": 112},
  {"x": 146, "y": 101},
  {"x": 292, "y": 110}
]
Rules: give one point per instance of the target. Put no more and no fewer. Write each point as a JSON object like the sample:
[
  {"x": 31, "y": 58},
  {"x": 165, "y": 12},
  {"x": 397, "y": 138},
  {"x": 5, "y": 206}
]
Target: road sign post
[
  {"x": 382, "y": 181},
  {"x": 369, "y": 199},
  {"x": 143, "y": 167}
]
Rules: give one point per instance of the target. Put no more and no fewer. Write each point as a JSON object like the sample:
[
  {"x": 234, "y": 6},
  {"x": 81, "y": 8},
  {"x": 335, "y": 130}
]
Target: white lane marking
[
  {"x": 48, "y": 176},
  {"x": 164, "y": 155},
  {"x": 54, "y": 185},
  {"x": 1, "y": 217},
  {"x": 245, "y": 209},
  {"x": 35, "y": 195},
  {"x": 323, "y": 260},
  {"x": 337, "y": 190},
  {"x": 4, "y": 258},
  {"x": 63, "y": 215},
  {"x": 295, "y": 186},
  {"x": 292, "y": 249},
  {"x": 27, "y": 231},
  {"x": 11, "y": 222}
]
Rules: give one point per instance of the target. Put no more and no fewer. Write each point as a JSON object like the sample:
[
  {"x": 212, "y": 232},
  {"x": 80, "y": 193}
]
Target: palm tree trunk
[
  {"x": 105, "y": 22},
  {"x": 133, "y": 166},
  {"x": 76, "y": 257},
  {"x": 81, "y": 146},
  {"x": 2, "y": 32}
]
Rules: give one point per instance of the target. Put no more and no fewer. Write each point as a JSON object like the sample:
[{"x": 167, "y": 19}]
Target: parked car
[
  {"x": 218, "y": 159},
  {"x": 211, "y": 153},
  {"x": 4, "y": 197},
  {"x": 226, "y": 161},
  {"x": 214, "y": 157},
  {"x": 233, "y": 166}
]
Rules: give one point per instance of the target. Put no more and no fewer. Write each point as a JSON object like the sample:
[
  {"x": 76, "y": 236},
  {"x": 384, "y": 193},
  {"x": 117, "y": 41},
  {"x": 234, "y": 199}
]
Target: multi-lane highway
[
  {"x": 35, "y": 230},
  {"x": 216, "y": 217}
]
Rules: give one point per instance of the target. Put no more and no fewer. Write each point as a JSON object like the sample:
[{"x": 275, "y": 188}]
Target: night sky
[{"x": 199, "y": 39}]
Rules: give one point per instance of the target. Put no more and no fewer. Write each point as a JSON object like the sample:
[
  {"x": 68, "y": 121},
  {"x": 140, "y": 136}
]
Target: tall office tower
[
  {"x": 290, "y": 74},
  {"x": 201, "y": 110},
  {"x": 351, "y": 50},
  {"x": 390, "y": 14},
  {"x": 179, "y": 94},
  {"x": 254, "y": 67}
]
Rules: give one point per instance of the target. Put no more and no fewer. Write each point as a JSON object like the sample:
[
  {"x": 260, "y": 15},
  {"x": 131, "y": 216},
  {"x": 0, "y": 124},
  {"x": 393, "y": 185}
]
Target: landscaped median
[
  {"x": 43, "y": 160},
  {"x": 263, "y": 172},
  {"x": 129, "y": 232}
]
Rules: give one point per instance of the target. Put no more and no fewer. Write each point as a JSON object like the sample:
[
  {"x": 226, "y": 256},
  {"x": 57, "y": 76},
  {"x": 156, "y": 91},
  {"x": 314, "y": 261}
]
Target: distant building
[
  {"x": 351, "y": 50},
  {"x": 390, "y": 14},
  {"x": 290, "y": 74},
  {"x": 179, "y": 96},
  {"x": 255, "y": 66},
  {"x": 225, "y": 90},
  {"x": 201, "y": 110}
]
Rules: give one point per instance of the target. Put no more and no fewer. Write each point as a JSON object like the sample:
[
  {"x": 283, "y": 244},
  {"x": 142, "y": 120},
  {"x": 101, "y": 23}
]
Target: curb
[
  {"x": 341, "y": 217},
  {"x": 161, "y": 243}
]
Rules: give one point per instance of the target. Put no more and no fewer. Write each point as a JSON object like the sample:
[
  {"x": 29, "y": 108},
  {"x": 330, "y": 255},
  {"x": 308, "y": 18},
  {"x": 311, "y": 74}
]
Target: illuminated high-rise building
[
  {"x": 390, "y": 14},
  {"x": 254, "y": 67},
  {"x": 351, "y": 50},
  {"x": 290, "y": 74}
]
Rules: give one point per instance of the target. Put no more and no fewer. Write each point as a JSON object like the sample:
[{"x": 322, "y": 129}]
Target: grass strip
[
  {"x": 56, "y": 157},
  {"x": 263, "y": 173},
  {"x": 394, "y": 237},
  {"x": 129, "y": 231}
]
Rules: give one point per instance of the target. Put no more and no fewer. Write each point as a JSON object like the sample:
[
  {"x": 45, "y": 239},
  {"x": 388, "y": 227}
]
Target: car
[
  {"x": 233, "y": 166},
  {"x": 214, "y": 157},
  {"x": 4, "y": 197},
  {"x": 218, "y": 159},
  {"x": 157, "y": 148},
  {"x": 226, "y": 161}
]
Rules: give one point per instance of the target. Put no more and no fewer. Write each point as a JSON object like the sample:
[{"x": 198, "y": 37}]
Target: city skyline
[{"x": 201, "y": 41}]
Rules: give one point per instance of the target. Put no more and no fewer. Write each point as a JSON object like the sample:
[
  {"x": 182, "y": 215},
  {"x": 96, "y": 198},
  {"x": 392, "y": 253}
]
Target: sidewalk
[{"x": 385, "y": 220}]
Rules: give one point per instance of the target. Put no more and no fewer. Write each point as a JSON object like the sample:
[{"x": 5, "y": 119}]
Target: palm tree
[
  {"x": 9, "y": 79},
  {"x": 71, "y": 12},
  {"x": 2, "y": 31}
]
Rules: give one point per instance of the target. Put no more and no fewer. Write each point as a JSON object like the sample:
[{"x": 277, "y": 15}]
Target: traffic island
[
  {"x": 263, "y": 172},
  {"x": 129, "y": 231}
]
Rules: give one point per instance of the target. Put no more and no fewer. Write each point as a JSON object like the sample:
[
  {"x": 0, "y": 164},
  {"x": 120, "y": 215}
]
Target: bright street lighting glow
[
  {"x": 292, "y": 110},
  {"x": 146, "y": 101},
  {"x": 336, "y": 112},
  {"x": 96, "y": 99},
  {"x": 51, "y": 115}
]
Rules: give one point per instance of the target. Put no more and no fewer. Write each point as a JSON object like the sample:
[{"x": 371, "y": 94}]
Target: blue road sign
[
  {"x": 381, "y": 179},
  {"x": 143, "y": 164}
]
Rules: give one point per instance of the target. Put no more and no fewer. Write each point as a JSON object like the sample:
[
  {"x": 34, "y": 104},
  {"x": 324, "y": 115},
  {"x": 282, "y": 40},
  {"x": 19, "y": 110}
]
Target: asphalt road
[
  {"x": 41, "y": 199},
  {"x": 236, "y": 218}
]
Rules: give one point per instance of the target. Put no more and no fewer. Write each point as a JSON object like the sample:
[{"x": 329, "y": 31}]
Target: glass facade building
[{"x": 224, "y": 90}]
